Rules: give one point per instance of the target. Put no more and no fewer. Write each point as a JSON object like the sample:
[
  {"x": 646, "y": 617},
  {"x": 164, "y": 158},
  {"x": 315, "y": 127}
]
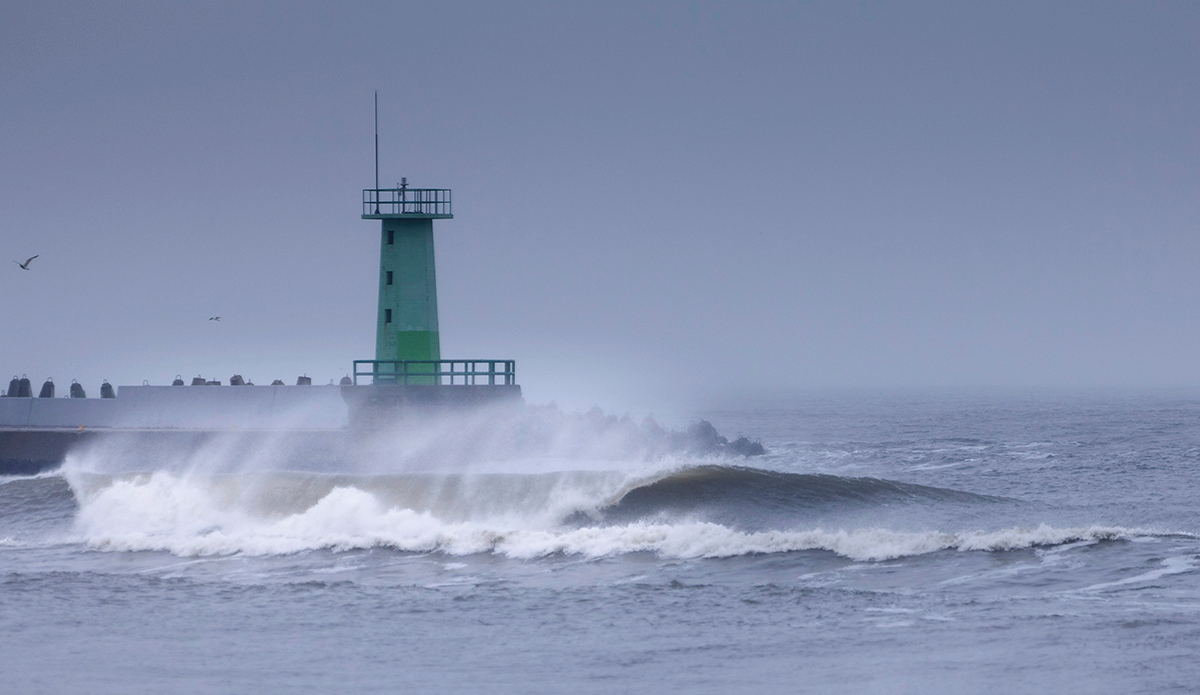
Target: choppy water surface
[{"x": 885, "y": 544}]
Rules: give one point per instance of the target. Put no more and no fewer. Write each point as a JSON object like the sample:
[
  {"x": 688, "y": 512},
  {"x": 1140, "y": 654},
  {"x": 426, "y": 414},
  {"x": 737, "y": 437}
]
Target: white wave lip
[{"x": 162, "y": 512}]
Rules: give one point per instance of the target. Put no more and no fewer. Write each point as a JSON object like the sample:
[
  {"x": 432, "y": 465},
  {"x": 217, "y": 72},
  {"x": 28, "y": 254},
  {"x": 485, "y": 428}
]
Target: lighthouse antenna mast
[{"x": 376, "y": 151}]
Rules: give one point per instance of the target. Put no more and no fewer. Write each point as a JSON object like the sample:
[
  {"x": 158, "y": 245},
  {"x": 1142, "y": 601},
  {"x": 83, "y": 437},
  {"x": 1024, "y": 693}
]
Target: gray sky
[{"x": 652, "y": 200}]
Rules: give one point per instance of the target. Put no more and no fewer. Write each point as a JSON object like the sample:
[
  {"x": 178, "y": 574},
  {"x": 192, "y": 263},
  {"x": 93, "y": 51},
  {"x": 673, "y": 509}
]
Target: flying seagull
[
  {"x": 214, "y": 318},
  {"x": 25, "y": 265}
]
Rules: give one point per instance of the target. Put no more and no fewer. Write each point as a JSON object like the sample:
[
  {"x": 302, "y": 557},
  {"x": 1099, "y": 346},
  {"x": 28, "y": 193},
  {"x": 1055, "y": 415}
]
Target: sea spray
[{"x": 511, "y": 439}]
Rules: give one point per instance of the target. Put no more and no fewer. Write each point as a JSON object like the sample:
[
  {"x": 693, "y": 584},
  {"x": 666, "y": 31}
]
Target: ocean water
[{"x": 886, "y": 543}]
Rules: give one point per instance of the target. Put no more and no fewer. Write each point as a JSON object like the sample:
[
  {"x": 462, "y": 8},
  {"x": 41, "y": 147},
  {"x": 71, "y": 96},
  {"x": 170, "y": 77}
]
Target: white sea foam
[
  {"x": 6, "y": 479},
  {"x": 1170, "y": 565},
  {"x": 192, "y": 516}
]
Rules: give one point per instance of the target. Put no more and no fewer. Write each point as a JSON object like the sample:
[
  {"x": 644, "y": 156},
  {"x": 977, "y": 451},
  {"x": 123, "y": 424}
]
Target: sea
[{"x": 886, "y": 542}]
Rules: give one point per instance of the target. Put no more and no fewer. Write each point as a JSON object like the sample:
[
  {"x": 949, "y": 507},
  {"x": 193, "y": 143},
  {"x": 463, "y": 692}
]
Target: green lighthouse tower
[
  {"x": 408, "y": 365},
  {"x": 407, "y": 323}
]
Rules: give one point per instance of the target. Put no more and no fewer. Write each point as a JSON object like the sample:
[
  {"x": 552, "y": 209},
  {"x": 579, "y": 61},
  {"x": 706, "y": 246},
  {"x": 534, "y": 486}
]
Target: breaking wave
[
  {"x": 521, "y": 516},
  {"x": 739, "y": 492}
]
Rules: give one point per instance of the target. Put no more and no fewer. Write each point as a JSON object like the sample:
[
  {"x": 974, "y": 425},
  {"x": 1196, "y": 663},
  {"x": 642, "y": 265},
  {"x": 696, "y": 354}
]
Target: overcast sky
[{"x": 652, "y": 200}]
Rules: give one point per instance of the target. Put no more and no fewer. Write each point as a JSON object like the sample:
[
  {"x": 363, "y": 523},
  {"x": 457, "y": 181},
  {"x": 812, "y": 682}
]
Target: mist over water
[{"x": 882, "y": 544}]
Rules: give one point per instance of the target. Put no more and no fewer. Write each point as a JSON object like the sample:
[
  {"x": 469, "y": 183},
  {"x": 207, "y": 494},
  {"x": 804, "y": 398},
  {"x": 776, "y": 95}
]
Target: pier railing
[
  {"x": 438, "y": 372},
  {"x": 379, "y": 203}
]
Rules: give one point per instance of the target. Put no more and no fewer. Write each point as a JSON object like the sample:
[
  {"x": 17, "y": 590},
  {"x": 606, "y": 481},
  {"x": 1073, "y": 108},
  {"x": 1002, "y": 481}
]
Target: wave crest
[{"x": 162, "y": 512}]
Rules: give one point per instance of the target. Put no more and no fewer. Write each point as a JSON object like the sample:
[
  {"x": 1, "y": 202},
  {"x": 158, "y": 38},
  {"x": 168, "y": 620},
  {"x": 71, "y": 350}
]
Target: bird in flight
[
  {"x": 214, "y": 318},
  {"x": 25, "y": 265}
]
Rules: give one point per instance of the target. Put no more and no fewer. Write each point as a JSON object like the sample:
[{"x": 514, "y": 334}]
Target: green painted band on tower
[{"x": 418, "y": 345}]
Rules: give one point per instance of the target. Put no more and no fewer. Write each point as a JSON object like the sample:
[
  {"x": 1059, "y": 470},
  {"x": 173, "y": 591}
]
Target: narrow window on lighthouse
[
  {"x": 391, "y": 236},
  {"x": 389, "y": 277},
  {"x": 387, "y": 315}
]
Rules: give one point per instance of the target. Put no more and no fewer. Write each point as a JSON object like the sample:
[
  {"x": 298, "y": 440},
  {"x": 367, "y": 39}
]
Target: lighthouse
[
  {"x": 408, "y": 351},
  {"x": 408, "y": 345},
  {"x": 407, "y": 321}
]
